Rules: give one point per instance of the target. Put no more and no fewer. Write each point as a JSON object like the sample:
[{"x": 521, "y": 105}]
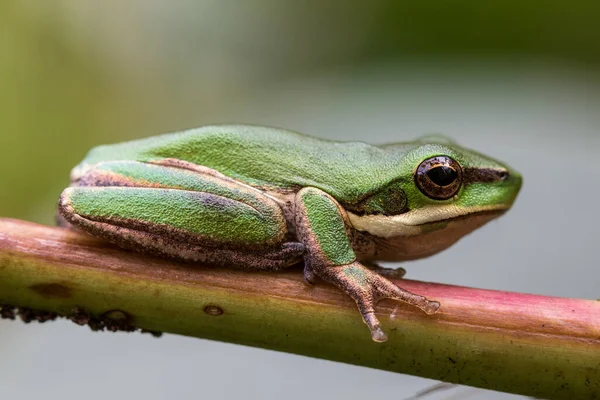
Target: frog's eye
[{"x": 439, "y": 178}]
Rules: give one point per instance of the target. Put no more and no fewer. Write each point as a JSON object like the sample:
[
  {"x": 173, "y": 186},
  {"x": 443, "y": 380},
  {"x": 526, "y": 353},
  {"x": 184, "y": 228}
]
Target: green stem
[{"x": 533, "y": 345}]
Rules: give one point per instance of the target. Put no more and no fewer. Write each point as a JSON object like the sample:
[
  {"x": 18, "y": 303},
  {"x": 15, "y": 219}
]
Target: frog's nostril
[{"x": 504, "y": 175}]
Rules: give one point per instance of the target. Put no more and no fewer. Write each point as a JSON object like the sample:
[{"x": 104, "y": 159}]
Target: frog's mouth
[{"x": 422, "y": 220}]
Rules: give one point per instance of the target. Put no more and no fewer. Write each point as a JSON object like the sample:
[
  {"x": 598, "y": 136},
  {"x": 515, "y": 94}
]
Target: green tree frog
[{"x": 264, "y": 199}]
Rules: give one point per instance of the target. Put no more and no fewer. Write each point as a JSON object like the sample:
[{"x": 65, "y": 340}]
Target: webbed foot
[{"x": 367, "y": 287}]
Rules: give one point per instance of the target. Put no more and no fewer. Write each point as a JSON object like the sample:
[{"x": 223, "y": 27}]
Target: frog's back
[{"x": 266, "y": 157}]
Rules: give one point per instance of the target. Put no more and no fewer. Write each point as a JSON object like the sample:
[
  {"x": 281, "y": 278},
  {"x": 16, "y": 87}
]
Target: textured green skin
[
  {"x": 186, "y": 211},
  {"x": 280, "y": 159},
  {"x": 189, "y": 208},
  {"x": 360, "y": 177},
  {"x": 328, "y": 226}
]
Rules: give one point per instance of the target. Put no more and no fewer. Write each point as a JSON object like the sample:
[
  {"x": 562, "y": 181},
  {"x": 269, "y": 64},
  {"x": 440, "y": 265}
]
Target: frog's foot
[
  {"x": 367, "y": 287},
  {"x": 62, "y": 221},
  {"x": 392, "y": 273},
  {"x": 309, "y": 275}
]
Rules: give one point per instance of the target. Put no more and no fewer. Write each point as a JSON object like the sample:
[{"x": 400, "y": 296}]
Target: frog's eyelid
[{"x": 437, "y": 138}]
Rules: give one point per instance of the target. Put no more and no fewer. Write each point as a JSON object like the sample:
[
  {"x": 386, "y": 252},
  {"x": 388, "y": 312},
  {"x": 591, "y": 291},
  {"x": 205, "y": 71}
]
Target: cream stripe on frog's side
[{"x": 409, "y": 224}]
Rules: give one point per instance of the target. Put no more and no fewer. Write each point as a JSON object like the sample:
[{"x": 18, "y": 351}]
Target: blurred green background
[
  {"x": 519, "y": 80},
  {"x": 75, "y": 74}
]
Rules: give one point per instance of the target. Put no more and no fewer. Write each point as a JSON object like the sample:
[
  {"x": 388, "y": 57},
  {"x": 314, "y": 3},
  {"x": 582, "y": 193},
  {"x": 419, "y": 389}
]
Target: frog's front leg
[{"x": 321, "y": 226}]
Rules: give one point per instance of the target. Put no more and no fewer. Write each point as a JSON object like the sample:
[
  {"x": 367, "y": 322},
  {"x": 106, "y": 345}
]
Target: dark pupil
[{"x": 442, "y": 175}]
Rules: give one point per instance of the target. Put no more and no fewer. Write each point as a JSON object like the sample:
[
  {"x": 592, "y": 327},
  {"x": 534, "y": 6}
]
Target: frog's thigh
[{"x": 203, "y": 220}]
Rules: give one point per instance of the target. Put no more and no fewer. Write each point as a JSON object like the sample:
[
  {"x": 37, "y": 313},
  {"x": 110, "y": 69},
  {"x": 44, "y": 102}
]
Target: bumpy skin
[{"x": 263, "y": 199}]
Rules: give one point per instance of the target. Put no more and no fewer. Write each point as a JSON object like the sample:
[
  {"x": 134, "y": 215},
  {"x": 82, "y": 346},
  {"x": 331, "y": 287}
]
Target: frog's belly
[{"x": 432, "y": 239}]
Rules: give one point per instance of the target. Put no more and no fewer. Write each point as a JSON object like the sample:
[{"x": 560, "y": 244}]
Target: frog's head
[{"x": 443, "y": 192}]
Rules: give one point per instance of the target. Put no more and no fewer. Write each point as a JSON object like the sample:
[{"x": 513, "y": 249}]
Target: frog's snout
[{"x": 512, "y": 181}]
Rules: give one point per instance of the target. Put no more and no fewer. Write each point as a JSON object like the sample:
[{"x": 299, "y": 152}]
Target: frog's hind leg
[
  {"x": 142, "y": 240},
  {"x": 181, "y": 213}
]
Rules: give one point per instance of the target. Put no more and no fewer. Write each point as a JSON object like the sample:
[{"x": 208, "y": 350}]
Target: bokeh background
[{"x": 518, "y": 80}]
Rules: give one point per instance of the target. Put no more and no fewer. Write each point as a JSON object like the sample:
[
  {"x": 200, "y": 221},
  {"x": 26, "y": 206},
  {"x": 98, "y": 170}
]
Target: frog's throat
[{"x": 412, "y": 222}]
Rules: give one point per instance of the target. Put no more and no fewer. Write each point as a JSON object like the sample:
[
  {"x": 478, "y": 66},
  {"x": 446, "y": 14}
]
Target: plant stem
[{"x": 540, "y": 346}]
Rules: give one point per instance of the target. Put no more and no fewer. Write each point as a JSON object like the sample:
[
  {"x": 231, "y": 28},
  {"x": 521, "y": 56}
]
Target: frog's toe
[
  {"x": 396, "y": 273},
  {"x": 377, "y": 334},
  {"x": 387, "y": 289},
  {"x": 309, "y": 275},
  {"x": 393, "y": 273}
]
